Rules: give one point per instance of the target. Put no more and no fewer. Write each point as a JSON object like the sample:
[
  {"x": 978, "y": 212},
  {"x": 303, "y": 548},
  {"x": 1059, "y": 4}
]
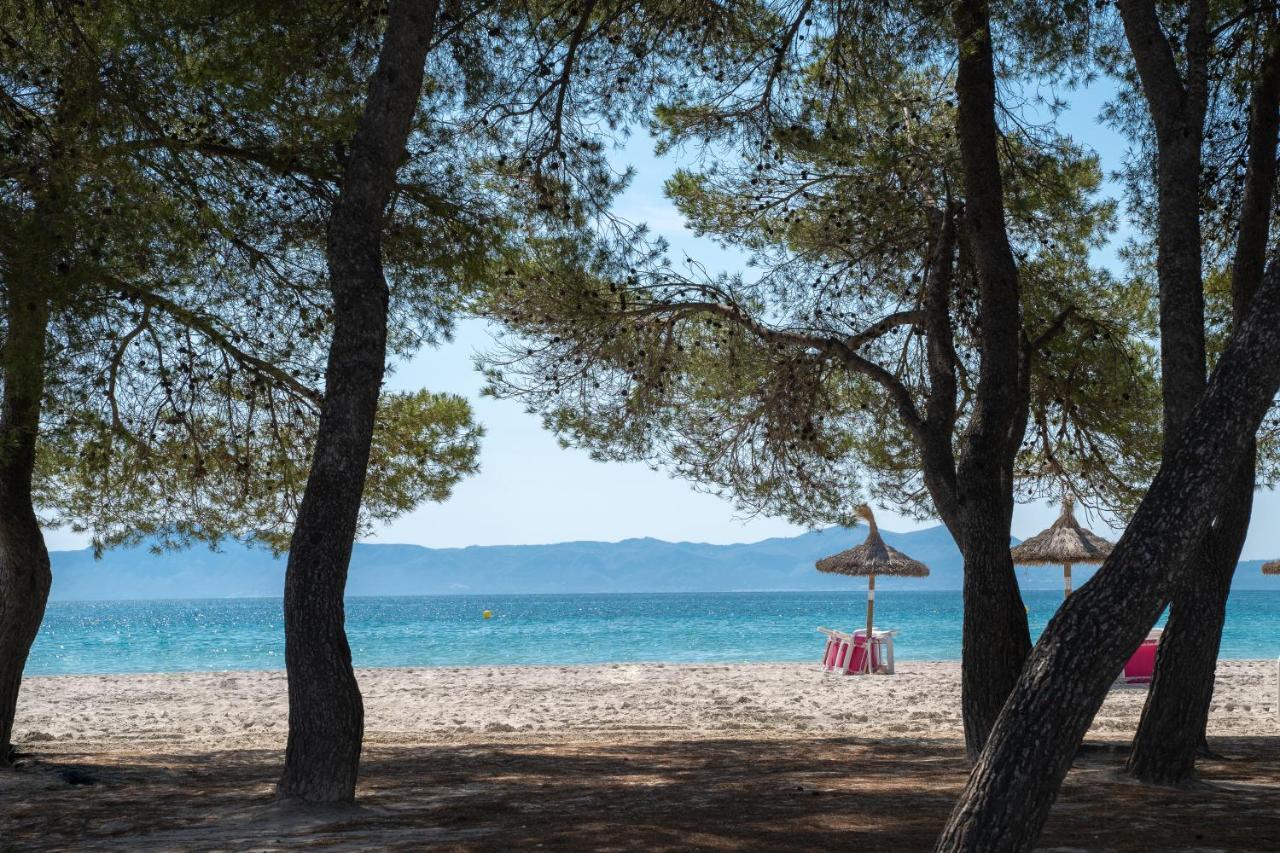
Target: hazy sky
[{"x": 530, "y": 490}]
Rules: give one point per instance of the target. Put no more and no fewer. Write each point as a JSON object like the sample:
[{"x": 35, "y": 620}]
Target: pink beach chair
[
  {"x": 1141, "y": 666},
  {"x": 856, "y": 654},
  {"x": 847, "y": 653},
  {"x": 833, "y": 650}
]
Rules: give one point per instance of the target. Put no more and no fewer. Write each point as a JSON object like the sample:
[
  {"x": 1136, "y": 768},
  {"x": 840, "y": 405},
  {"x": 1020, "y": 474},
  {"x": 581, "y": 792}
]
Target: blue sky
[{"x": 530, "y": 490}]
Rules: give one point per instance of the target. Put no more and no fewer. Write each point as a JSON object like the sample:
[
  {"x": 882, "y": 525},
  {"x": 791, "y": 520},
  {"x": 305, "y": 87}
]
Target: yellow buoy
[{"x": 488, "y": 614}]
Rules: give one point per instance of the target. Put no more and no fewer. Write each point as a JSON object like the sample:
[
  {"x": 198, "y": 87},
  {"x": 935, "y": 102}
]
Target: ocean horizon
[{"x": 224, "y": 634}]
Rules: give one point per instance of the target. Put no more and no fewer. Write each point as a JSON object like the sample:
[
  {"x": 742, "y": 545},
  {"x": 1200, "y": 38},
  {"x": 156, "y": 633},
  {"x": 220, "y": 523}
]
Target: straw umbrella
[
  {"x": 1272, "y": 568},
  {"x": 873, "y": 557},
  {"x": 1064, "y": 544}
]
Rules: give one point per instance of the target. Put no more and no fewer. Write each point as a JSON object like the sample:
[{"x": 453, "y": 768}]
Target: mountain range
[{"x": 632, "y": 565}]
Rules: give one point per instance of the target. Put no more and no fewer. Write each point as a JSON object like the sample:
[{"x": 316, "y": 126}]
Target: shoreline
[
  {"x": 245, "y": 709},
  {"x": 1250, "y": 585},
  {"x": 805, "y": 662},
  {"x": 486, "y": 666}
]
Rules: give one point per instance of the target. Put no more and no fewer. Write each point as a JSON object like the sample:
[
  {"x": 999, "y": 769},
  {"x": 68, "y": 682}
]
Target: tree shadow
[{"x": 738, "y": 794}]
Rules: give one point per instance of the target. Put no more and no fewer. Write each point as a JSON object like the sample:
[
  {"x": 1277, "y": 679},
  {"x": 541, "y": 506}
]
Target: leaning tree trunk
[
  {"x": 24, "y": 561},
  {"x": 1012, "y": 787},
  {"x": 1174, "y": 720},
  {"x": 1171, "y": 732},
  {"x": 326, "y": 714}
]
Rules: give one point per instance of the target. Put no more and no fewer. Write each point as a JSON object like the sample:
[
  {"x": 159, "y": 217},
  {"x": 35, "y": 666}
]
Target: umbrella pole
[
  {"x": 871, "y": 612},
  {"x": 1066, "y": 579}
]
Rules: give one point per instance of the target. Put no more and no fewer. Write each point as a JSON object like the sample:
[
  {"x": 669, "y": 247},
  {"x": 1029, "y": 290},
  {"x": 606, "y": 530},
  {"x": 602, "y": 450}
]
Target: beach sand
[
  {"x": 446, "y": 704},
  {"x": 617, "y": 756}
]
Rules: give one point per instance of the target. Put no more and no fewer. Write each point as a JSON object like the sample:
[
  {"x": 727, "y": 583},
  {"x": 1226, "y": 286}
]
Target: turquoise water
[{"x": 222, "y": 634}]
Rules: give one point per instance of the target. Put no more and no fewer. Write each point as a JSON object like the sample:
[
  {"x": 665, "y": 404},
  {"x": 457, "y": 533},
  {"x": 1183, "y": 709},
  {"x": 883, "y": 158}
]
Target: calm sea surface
[{"x": 222, "y": 634}]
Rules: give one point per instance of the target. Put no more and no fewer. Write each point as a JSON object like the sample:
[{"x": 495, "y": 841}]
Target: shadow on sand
[{"x": 634, "y": 795}]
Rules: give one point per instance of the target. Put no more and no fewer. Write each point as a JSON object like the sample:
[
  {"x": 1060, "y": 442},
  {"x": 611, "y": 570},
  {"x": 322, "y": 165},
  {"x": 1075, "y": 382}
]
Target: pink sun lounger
[
  {"x": 1141, "y": 666},
  {"x": 847, "y": 653}
]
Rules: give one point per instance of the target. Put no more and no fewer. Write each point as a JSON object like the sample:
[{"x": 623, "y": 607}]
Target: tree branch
[
  {"x": 1052, "y": 331},
  {"x": 941, "y": 363},
  {"x": 1260, "y": 179},
  {"x": 1153, "y": 55},
  {"x": 839, "y": 348},
  {"x": 113, "y": 372},
  {"x": 566, "y": 74},
  {"x": 206, "y": 327}
]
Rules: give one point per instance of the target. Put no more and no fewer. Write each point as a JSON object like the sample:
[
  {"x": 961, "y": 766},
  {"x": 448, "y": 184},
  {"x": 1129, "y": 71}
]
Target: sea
[{"x": 98, "y": 637}]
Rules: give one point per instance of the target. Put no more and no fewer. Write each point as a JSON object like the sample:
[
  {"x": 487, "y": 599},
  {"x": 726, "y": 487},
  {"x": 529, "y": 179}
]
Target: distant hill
[{"x": 632, "y": 565}]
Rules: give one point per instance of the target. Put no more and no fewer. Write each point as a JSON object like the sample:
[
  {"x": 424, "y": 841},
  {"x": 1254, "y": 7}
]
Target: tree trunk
[
  {"x": 24, "y": 561},
  {"x": 1176, "y": 714},
  {"x": 1174, "y": 719},
  {"x": 996, "y": 637},
  {"x": 1176, "y": 103},
  {"x": 326, "y": 714},
  {"x": 1008, "y": 796}
]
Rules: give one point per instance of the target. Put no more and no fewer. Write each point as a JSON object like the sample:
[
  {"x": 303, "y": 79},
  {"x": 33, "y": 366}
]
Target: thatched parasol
[
  {"x": 1064, "y": 544},
  {"x": 873, "y": 557},
  {"x": 1272, "y": 568}
]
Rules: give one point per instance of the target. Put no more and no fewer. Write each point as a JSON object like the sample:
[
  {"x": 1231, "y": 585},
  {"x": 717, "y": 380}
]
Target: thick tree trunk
[
  {"x": 1008, "y": 796},
  {"x": 1176, "y": 103},
  {"x": 996, "y": 640},
  {"x": 1174, "y": 720},
  {"x": 977, "y": 515},
  {"x": 996, "y": 637},
  {"x": 24, "y": 562},
  {"x": 326, "y": 714},
  {"x": 24, "y": 591},
  {"x": 1172, "y": 729}
]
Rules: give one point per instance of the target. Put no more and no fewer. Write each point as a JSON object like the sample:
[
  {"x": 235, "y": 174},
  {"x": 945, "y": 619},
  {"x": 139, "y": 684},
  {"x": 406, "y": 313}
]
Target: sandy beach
[
  {"x": 430, "y": 705},
  {"x": 612, "y": 757}
]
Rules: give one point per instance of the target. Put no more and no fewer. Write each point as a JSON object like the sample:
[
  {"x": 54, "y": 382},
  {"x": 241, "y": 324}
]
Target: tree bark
[
  {"x": 1174, "y": 720},
  {"x": 1172, "y": 729},
  {"x": 938, "y": 430},
  {"x": 1008, "y": 796},
  {"x": 25, "y": 577},
  {"x": 996, "y": 639},
  {"x": 326, "y": 713},
  {"x": 1177, "y": 104}
]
